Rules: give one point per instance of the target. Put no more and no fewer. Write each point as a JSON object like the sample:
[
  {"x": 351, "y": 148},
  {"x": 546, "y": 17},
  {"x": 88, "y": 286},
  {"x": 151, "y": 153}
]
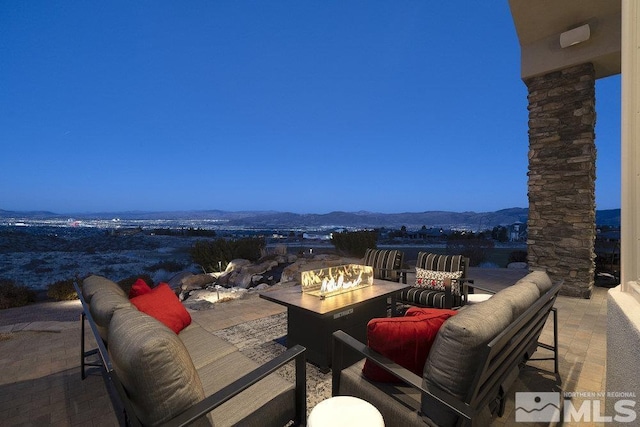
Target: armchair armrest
[
  {"x": 480, "y": 288},
  {"x": 340, "y": 339},
  {"x": 296, "y": 352}
]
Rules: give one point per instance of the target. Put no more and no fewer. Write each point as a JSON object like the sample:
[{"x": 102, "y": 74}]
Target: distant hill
[
  {"x": 361, "y": 219},
  {"x": 610, "y": 217},
  {"x": 412, "y": 220}
]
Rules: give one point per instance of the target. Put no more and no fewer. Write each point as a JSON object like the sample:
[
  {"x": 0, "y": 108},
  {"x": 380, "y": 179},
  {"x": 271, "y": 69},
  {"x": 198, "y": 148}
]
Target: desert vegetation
[
  {"x": 12, "y": 295},
  {"x": 354, "y": 243},
  {"x": 214, "y": 255}
]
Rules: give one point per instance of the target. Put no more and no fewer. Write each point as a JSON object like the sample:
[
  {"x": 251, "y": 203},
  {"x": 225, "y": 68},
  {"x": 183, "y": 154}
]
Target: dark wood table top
[{"x": 294, "y": 297}]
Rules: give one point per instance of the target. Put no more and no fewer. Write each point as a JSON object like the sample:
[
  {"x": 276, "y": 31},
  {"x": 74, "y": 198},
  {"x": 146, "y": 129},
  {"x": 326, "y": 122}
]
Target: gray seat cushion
[
  {"x": 154, "y": 367},
  {"x": 399, "y": 404},
  {"x": 204, "y": 347},
  {"x": 270, "y": 402}
]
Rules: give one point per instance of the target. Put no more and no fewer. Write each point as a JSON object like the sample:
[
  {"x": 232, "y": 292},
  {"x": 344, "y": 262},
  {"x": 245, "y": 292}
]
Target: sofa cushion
[
  {"x": 103, "y": 305},
  {"x": 93, "y": 284},
  {"x": 203, "y": 346},
  {"x": 452, "y": 361},
  {"x": 540, "y": 278},
  {"x": 519, "y": 297},
  {"x": 140, "y": 287},
  {"x": 399, "y": 404},
  {"x": 405, "y": 340},
  {"x": 162, "y": 304},
  {"x": 269, "y": 402},
  {"x": 153, "y": 366}
]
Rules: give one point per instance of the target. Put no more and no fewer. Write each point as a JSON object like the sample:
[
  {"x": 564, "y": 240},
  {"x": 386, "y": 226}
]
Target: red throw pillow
[
  {"x": 162, "y": 304},
  {"x": 140, "y": 287},
  {"x": 405, "y": 340},
  {"x": 418, "y": 311}
]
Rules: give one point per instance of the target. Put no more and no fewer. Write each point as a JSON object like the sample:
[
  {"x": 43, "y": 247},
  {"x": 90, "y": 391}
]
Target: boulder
[
  {"x": 206, "y": 298},
  {"x": 197, "y": 281},
  {"x": 241, "y": 280},
  {"x": 187, "y": 281},
  {"x": 235, "y": 264}
]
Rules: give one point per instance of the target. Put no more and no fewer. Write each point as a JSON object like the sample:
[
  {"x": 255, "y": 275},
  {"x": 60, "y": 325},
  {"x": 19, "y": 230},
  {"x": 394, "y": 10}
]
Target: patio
[{"x": 41, "y": 383}]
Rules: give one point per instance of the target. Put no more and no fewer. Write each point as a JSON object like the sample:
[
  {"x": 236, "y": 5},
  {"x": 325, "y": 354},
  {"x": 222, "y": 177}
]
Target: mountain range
[{"x": 360, "y": 219}]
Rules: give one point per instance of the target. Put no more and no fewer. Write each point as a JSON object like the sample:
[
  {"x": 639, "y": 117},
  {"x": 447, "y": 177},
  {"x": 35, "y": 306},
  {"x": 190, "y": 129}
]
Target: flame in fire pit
[{"x": 336, "y": 280}]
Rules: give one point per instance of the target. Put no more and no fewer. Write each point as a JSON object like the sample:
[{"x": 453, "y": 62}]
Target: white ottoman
[
  {"x": 476, "y": 298},
  {"x": 345, "y": 411}
]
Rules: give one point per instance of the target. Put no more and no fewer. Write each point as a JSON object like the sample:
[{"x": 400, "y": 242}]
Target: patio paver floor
[{"x": 40, "y": 371}]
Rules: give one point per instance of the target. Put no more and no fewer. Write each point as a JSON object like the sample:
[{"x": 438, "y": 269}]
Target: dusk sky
[{"x": 301, "y": 106}]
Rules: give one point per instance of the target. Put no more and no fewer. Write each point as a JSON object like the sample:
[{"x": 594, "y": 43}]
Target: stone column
[{"x": 562, "y": 177}]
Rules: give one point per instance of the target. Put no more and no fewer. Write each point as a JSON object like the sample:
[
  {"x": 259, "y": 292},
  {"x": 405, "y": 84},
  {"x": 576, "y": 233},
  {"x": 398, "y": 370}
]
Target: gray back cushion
[
  {"x": 93, "y": 284},
  {"x": 453, "y": 359},
  {"x": 154, "y": 367},
  {"x": 103, "y": 305},
  {"x": 520, "y": 297},
  {"x": 540, "y": 278}
]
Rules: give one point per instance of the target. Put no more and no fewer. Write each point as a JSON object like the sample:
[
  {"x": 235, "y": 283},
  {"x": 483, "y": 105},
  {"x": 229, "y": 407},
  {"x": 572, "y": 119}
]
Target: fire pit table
[{"x": 311, "y": 319}]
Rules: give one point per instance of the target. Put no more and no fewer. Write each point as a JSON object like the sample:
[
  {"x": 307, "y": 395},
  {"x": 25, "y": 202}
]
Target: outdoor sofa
[
  {"x": 159, "y": 376},
  {"x": 475, "y": 357}
]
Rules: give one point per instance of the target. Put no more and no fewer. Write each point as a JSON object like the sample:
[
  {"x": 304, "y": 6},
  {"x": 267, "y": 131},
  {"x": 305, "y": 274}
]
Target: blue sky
[{"x": 302, "y": 106}]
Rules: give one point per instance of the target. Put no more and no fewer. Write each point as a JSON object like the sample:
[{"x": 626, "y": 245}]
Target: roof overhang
[{"x": 539, "y": 24}]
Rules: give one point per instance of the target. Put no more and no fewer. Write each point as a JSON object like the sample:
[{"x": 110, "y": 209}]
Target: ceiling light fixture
[{"x": 575, "y": 36}]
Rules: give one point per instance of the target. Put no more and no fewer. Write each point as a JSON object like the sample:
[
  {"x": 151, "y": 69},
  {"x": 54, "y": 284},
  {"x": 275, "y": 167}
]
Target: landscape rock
[
  {"x": 176, "y": 281},
  {"x": 236, "y": 264},
  {"x": 241, "y": 280},
  {"x": 196, "y": 281},
  {"x": 206, "y": 298}
]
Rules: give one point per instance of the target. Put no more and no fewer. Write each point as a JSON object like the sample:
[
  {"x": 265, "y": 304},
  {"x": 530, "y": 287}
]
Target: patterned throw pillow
[{"x": 435, "y": 279}]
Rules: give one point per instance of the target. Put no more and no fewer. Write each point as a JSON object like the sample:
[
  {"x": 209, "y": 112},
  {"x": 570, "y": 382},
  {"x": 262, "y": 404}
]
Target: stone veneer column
[{"x": 562, "y": 177}]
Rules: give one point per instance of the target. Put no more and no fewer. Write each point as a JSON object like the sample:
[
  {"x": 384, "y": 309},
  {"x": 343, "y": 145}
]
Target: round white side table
[
  {"x": 345, "y": 411},
  {"x": 476, "y": 298}
]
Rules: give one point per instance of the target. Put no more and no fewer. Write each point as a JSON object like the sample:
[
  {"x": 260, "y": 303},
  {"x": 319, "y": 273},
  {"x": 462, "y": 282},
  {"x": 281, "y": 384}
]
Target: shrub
[
  {"x": 171, "y": 266},
  {"x": 518, "y": 256},
  {"x": 62, "y": 290},
  {"x": 354, "y": 243},
  {"x": 476, "y": 249},
  {"x": 12, "y": 295},
  {"x": 213, "y": 255}
]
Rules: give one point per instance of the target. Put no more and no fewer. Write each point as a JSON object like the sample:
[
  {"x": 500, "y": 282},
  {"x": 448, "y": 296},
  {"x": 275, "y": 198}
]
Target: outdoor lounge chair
[
  {"x": 432, "y": 289},
  {"x": 386, "y": 263}
]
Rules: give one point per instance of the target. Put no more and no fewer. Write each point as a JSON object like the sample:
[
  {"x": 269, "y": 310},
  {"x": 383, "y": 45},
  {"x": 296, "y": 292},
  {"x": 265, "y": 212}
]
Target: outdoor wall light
[{"x": 575, "y": 36}]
